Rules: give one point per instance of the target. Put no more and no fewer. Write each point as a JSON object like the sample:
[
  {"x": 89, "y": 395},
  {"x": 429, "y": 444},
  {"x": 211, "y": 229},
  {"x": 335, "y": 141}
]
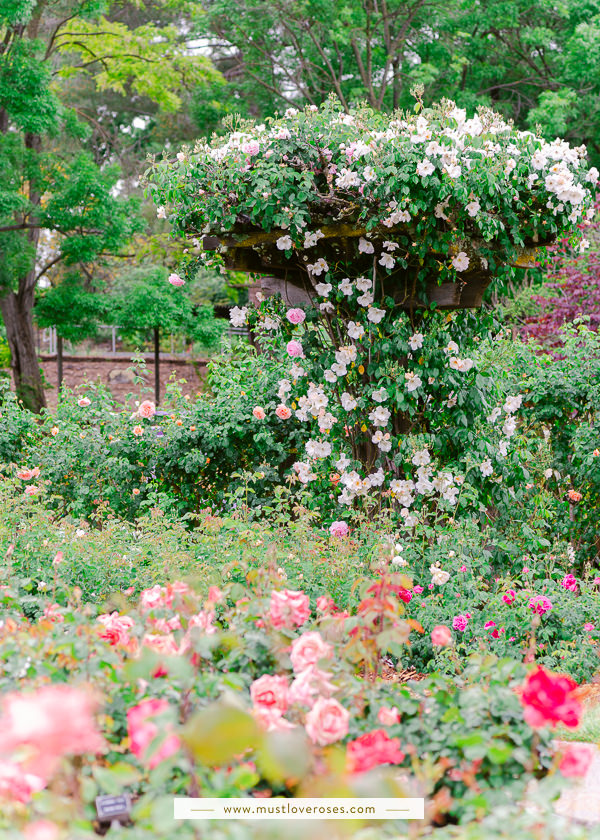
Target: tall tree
[{"x": 51, "y": 181}]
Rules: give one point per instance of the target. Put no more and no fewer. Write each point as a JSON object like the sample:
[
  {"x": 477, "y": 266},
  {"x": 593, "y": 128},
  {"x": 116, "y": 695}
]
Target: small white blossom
[
  {"x": 460, "y": 261},
  {"x": 416, "y": 341},
  {"x": 284, "y": 243},
  {"x": 364, "y": 246}
]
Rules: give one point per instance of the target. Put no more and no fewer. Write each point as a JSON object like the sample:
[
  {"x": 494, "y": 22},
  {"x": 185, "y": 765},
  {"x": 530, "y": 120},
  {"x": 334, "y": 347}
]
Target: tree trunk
[
  {"x": 157, "y": 365},
  {"x": 59, "y": 361},
  {"x": 17, "y": 314}
]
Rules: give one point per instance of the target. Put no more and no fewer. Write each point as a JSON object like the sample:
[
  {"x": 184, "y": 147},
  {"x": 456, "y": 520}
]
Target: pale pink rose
[
  {"x": 294, "y": 348},
  {"x": 295, "y": 316},
  {"x": 326, "y": 604},
  {"x": 576, "y": 760},
  {"x": 339, "y": 528},
  {"x": 327, "y": 721},
  {"x": 165, "y": 645},
  {"x": 143, "y": 730},
  {"x": 288, "y": 608},
  {"x": 41, "y": 830},
  {"x": 283, "y": 412},
  {"x": 31, "y": 490},
  {"x": 58, "y": 558},
  {"x": 310, "y": 683},
  {"x": 270, "y": 691},
  {"x": 83, "y": 402},
  {"x": 37, "y": 720},
  {"x": 138, "y": 431},
  {"x": 115, "y": 628},
  {"x": 27, "y": 474},
  {"x": 204, "y": 620},
  {"x": 387, "y": 716},
  {"x": 165, "y": 625},
  {"x": 308, "y": 649},
  {"x": 16, "y": 784},
  {"x": 176, "y": 280},
  {"x": 271, "y": 718},
  {"x": 153, "y": 598},
  {"x": 52, "y": 613},
  {"x": 147, "y": 409},
  {"x": 259, "y": 412}
]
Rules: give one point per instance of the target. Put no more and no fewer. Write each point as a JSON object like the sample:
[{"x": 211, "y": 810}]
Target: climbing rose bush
[{"x": 371, "y": 214}]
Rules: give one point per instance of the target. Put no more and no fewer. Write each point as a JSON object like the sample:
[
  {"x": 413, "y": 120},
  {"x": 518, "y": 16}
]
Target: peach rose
[
  {"x": 259, "y": 412},
  {"x": 147, "y": 409},
  {"x": 283, "y": 412}
]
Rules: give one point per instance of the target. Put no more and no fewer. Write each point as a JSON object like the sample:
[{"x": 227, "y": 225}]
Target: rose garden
[{"x": 364, "y": 560}]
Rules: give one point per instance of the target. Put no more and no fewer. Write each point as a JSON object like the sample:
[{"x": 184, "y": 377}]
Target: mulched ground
[{"x": 78, "y": 370}]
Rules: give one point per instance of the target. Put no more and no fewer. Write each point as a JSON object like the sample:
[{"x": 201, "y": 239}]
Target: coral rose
[
  {"x": 372, "y": 749},
  {"x": 327, "y": 721},
  {"x": 147, "y": 409}
]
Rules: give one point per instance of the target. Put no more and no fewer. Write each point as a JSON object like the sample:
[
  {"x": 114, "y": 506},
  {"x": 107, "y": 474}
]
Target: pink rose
[
  {"x": 283, "y": 412},
  {"x": 152, "y": 598},
  {"x": 326, "y": 604},
  {"x": 569, "y": 582},
  {"x": 540, "y": 604},
  {"x": 339, "y": 529},
  {"x": 83, "y": 402},
  {"x": 417, "y": 590},
  {"x": 308, "y": 684},
  {"x": 460, "y": 622},
  {"x": 489, "y": 624},
  {"x": 58, "y": 558},
  {"x": 138, "y": 431},
  {"x": 588, "y": 627},
  {"x": 165, "y": 645},
  {"x": 441, "y": 635},
  {"x": 259, "y": 412},
  {"x": 308, "y": 649},
  {"x": 37, "y": 720},
  {"x": 41, "y": 830},
  {"x": 294, "y": 348},
  {"x": 509, "y": 597},
  {"x": 214, "y": 595},
  {"x": 147, "y": 409},
  {"x": 387, "y": 716},
  {"x": 143, "y": 730},
  {"x": 576, "y": 760},
  {"x": 288, "y": 608},
  {"x": 17, "y": 784},
  {"x": 176, "y": 280},
  {"x": 31, "y": 490},
  {"x": 327, "y": 721},
  {"x": 295, "y": 316},
  {"x": 270, "y": 692},
  {"x": 271, "y": 718},
  {"x": 115, "y": 628},
  {"x": 27, "y": 474},
  {"x": 52, "y": 613}
]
